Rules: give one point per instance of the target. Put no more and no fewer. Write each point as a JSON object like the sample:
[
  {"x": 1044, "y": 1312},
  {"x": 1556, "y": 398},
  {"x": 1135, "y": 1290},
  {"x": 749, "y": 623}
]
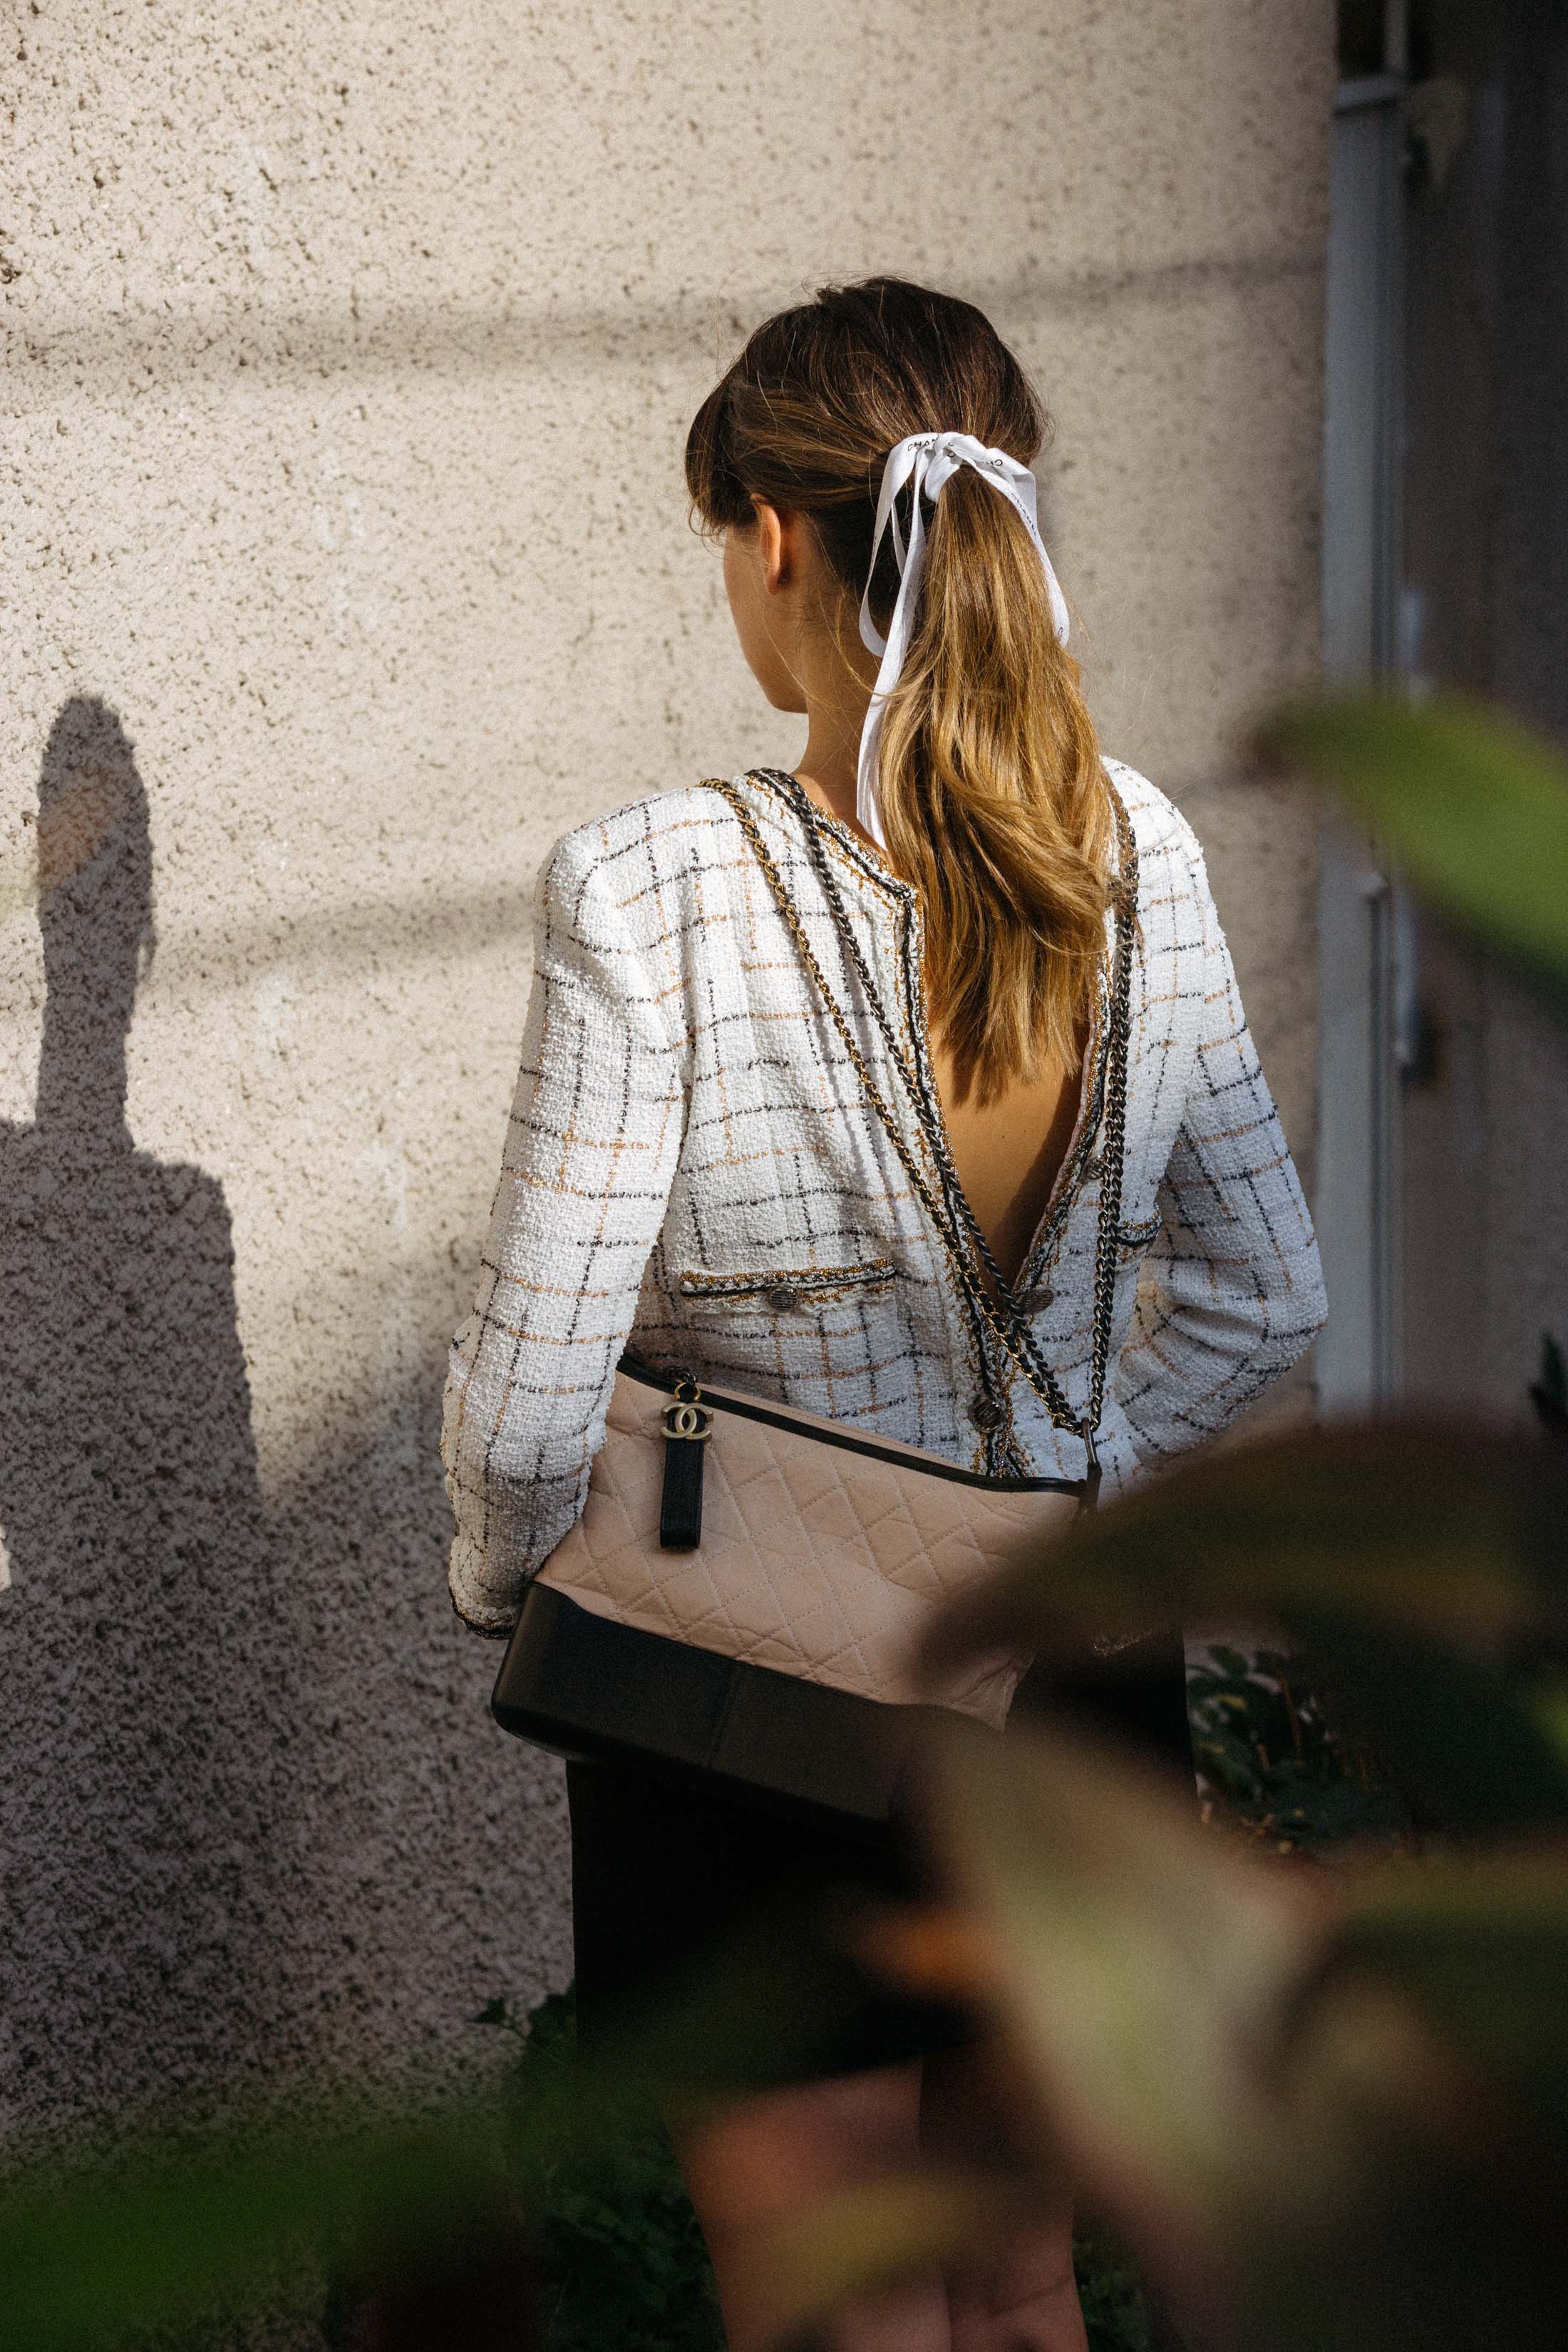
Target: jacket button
[
  {"x": 1092, "y": 1167},
  {"x": 782, "y": 1297},
  {"x": 986, "y": 1414},
  {"x": 1038, "y": 1300}
]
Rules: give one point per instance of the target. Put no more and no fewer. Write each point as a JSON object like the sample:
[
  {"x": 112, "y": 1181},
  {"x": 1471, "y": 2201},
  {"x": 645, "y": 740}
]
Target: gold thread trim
[{"x": 694, "y": 1284}]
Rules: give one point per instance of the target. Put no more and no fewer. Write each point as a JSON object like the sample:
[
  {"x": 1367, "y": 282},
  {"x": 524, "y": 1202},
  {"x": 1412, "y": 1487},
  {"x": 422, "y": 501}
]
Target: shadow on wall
[
  {"x": 131, "y": 1664},
  {"x": 252, "y": 1811}
]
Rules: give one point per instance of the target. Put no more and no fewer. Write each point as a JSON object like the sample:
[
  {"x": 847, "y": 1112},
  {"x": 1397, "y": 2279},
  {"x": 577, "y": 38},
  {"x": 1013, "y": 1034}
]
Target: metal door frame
[{"x": 1363, "y": 926}]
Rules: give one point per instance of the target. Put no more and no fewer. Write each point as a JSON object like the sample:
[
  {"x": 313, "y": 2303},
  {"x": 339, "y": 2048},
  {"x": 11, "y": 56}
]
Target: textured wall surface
[{"x": 344, "y": 563}]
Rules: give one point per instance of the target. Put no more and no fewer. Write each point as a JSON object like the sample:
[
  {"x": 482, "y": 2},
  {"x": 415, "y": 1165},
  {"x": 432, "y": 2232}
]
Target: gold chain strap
[
  {"x": 1004, "y": 1323},
  {"x": 961, "y": 1217}
]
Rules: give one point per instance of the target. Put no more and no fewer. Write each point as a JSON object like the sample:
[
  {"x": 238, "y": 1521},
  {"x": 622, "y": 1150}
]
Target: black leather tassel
[
  {"x": 680, "y": 1511},
  {"x": 685, "y": 1426}
]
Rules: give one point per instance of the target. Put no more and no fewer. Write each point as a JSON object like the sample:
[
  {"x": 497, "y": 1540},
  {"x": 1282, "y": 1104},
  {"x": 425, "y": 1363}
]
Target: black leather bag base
[{"x": 588, "y": 1688}]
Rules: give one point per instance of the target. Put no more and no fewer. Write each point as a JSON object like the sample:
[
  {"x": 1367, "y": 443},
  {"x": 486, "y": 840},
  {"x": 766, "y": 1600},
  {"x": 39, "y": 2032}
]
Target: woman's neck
[{"x": 829, "y": 765}]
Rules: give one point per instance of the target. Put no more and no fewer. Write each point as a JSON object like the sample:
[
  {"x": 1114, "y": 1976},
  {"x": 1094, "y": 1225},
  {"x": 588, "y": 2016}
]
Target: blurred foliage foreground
[
  {"x": 621, "y": 2262},
  {"x": 1324, "y": 2108}
]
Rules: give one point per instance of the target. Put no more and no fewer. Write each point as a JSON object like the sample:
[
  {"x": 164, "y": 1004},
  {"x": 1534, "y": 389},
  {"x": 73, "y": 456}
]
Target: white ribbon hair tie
[{"x": 928, "y": 460}]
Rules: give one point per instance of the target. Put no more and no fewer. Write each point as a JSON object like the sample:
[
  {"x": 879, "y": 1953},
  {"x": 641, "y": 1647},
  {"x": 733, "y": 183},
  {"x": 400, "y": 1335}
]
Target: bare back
[{"x": 1009, "y": 1153}]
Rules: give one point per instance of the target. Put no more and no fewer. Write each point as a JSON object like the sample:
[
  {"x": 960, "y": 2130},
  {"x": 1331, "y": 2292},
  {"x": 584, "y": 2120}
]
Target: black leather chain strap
[{"x": 951, "y": 1216}]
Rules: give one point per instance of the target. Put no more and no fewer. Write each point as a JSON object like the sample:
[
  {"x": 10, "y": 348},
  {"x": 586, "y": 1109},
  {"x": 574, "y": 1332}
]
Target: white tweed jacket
[{"x": 691, "y": 1165}]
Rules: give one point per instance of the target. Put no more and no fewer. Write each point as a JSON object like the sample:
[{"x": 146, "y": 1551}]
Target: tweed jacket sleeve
[
  {"x": 1231, "y": 1293},
  {"x": 592, "y": 1149}
]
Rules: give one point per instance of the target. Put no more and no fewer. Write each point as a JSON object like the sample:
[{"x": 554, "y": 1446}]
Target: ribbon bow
[{"x": 928, "y": 460}]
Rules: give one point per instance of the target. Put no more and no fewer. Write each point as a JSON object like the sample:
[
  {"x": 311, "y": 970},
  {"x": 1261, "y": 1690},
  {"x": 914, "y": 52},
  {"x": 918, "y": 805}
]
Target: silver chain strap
[{"x": 952, "y": 1218}]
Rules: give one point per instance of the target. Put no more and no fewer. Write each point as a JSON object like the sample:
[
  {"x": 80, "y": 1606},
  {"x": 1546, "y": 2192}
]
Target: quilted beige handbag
[
  {"x": 819, "y": 1552},
  {"x": 745, "y": 1589}
]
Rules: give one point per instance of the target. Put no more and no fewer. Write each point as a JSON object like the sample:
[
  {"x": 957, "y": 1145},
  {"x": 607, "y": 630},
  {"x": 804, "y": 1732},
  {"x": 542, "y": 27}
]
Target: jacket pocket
[
  {"x": 786, "y": 1290},
  {"x": 1135, "y": 1241}
]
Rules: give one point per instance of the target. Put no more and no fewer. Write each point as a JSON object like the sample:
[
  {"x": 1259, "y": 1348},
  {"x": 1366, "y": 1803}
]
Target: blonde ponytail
[
  {"x": 992, "y": 793},
  {"x": 993, "y": 799}
]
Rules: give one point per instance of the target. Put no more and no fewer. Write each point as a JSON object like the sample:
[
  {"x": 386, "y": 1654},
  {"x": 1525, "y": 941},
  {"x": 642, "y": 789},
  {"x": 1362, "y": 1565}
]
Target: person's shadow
[{"x": 138, "y": 1820}]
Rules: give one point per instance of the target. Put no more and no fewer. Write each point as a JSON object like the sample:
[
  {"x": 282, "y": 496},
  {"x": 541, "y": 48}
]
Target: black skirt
[{"x": 739, "y": 1920}]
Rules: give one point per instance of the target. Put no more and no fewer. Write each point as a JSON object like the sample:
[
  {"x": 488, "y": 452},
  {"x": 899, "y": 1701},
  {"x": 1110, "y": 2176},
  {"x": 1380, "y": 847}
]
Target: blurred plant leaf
[
  {"x": 882, "y": 2233},
  {"x": 1139, "y": 1960},
  {"x": 1397, "y": 1551},
  {"x": 1474, "y": 807},
  {"x": 1545, "y": 1696},
  {"x": 176, "y": 2223},
  {"x": 1482, "y": 1945},
  {"x": 1294, "y": 2150},
  {"x": 1446, "y": 1725},
  {"x": 1458, "y": 1531},
  {"x": 176, "y": 2227}
]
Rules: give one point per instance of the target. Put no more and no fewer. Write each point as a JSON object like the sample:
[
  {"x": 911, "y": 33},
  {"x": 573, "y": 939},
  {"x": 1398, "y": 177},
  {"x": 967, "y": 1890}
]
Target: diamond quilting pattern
[{"x": 815, "y": 1561}]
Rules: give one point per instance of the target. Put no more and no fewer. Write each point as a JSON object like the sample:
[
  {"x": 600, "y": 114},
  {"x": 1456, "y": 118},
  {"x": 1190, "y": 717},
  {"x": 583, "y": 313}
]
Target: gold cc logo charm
[{"x": 692, "y": 1422}]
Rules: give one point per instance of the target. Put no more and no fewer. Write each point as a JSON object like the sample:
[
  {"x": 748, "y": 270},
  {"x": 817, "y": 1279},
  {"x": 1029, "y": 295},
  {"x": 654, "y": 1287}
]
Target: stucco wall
[{"x": 344, "y": 564}]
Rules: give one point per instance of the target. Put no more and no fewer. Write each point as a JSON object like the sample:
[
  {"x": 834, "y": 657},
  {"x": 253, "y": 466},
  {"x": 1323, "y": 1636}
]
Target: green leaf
[
  {"x": 178, "y": 2225},
  {"x": 1138, "y": 1955},
  {"x": 1455, "y": 1530},
  {"x": 1222, "y": 1753},
  {"x": 1399, "y": 1553},
  {"x": 1544, "y": 1696},
  {"x": 1474, "y": 807},
  {"x": 1296, "y": 2155},
  {"x": 1482, "y": 1945}
]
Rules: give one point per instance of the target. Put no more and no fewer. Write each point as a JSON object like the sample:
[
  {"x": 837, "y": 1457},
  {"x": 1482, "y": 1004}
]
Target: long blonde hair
[{"x": 993, "y": 796}]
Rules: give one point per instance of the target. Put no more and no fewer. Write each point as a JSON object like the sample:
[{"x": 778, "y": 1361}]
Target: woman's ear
[{"x": 774, "y": 548}]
